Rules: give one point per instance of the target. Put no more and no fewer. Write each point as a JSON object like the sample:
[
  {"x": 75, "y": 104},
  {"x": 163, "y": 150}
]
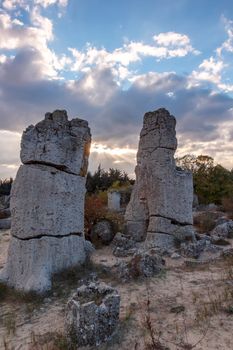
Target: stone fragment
[
  {"x": 58, "y": 142},
  {"x": 162, "y": 197},
  {"x": 92, "y": 315}
]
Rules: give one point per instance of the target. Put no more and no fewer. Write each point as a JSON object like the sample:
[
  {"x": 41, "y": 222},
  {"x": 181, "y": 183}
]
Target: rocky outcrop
[
  {"x": 47, "y": 202},
  {"x": 160, "y": 207}
]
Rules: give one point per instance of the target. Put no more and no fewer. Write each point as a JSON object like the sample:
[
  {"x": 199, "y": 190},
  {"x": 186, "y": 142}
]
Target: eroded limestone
[
  {"x": 47, "y": 203},
  {"x": 161, "y": 201},
  {"x": 58, "y": 142}
]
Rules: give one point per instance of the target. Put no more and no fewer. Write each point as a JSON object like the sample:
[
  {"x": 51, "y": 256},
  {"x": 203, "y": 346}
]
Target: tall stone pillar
[
  {"x": 160, "y": 207},
  {"x": 47, "y": 202}
]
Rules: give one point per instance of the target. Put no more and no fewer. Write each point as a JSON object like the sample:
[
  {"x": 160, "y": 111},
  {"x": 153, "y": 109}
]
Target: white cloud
[
  {"x": 212, "y": 69},
  {"x": 209, "y": 70},
  {"x": 168, "y": 45},
  {"x": 27, "y": 4},
  {"x": 227, "y": 45},
  {"x": 171, "y": 38},
  {"x": 33, "y": 38},
  {"x": 13, "y": 4},
  {"x": 46, "y": 3}
]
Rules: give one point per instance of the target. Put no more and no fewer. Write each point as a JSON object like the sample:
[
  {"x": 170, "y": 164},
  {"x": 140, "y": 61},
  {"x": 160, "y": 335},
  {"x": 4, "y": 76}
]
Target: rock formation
[
  {"x": 160, "y": 207},
  {"x": 47, "y": 202},
  {"x": 92, "y": 315}
]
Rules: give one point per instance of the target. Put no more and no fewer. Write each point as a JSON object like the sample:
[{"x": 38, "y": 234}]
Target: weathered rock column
[
  {"x": 160, "y": 207},
  {"x": 47, "y": 202}
]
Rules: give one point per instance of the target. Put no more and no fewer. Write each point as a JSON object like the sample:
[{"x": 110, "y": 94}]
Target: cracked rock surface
[
  {"x": 47, "y": 203},
  {"x": 161, "y": 201},
  {"x": 92, "y": 315}
]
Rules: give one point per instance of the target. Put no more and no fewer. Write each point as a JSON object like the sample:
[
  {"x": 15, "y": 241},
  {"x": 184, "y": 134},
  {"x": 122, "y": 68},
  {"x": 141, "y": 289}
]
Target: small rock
[
  {"x": 175, "y": 256},
  {"x": 224, "y": 230},
  {"x": 194, "y": 250}
]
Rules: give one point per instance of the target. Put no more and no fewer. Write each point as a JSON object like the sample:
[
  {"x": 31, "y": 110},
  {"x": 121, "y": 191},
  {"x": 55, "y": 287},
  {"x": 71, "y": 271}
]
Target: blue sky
[{"x": 111, "y": 61}]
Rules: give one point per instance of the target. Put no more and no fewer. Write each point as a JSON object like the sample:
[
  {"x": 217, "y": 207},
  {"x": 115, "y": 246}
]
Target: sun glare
[{"x": 101, "y": 148}]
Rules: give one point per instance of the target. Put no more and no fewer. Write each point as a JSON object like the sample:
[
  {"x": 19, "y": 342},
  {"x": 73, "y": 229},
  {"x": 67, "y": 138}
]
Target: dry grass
[{"x": 205, "y": 221}]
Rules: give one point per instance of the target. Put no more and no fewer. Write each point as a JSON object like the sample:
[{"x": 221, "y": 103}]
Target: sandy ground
[{"x": 184, "y": 308}]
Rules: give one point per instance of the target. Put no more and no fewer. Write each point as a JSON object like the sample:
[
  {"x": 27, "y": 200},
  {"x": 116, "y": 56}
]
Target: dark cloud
[{"x": 115, "y": 115}]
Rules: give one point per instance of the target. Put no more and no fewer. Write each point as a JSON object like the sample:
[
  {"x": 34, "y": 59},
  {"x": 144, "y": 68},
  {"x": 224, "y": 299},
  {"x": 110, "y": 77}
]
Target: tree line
[{"x": 212, "y": 183}]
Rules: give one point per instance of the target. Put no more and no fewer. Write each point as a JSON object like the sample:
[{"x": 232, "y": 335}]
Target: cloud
[
  {"x": 115, "y": 115},
  {"x": 27, "y": 5},
  {"x": 212, "y": 69},
  {"x": 32, "y": 42},
  {"x": 227, "y": 45},
  {"x": 46, "y": 3},
  {"x": 106, "y": 91},
  {"x": 167, "y": 45},
  {"x": 180, "y": 43}
]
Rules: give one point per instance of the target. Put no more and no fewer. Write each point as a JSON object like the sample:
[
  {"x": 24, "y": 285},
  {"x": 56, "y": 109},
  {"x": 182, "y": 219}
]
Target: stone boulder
[
  {"x": 162, "y": 197},
  {"x": 92, "y": 315},
  {"x": 102, "y": 233},
  {"x": 197, "y": 249},
  {"x": 224, "y": 230},
  {"x": 47, "y": 203},
  {"x": 145, "y": 263},
  {"x": 123, "y": 245}
]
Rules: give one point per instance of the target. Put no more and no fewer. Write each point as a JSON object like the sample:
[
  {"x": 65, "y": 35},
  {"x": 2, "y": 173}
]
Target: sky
[{"x": 109, "y": 62}]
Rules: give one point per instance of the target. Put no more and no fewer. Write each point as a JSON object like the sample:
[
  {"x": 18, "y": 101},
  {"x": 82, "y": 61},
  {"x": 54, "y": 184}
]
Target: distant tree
[
  {"x": 5, "y": 187},
  {"x": 212, "y": 182},
  {"x": 102, "y": 179}
]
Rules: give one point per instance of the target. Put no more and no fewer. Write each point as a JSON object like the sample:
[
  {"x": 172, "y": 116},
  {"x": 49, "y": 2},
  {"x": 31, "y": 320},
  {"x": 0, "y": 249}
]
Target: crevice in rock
[
  {"x": 79, "y": 234},
  {"x": 52, "y": 165},
  {"x": 173, "y": 221},
  {"x": 161, "y": 147},
  {"x": 162, "y": 233}
]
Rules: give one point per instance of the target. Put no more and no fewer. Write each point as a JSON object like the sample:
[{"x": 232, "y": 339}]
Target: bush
[
  {"x": 227, "y": 204},
  {"x": 95, "y": 210},
  {"x": 5, "y": 187}
]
